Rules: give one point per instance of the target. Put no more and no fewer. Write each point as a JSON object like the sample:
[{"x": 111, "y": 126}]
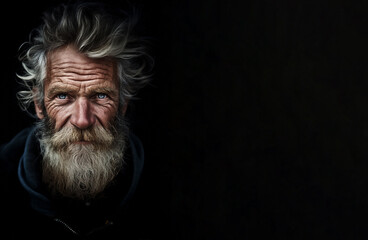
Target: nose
[{"x": 82, "y": 117}]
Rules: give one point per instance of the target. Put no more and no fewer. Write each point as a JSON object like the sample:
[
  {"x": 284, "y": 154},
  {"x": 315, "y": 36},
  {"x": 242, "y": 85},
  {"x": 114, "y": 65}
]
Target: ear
[
  {"x": 38, "y": 107},
  {"x": 125, "y": 107}
]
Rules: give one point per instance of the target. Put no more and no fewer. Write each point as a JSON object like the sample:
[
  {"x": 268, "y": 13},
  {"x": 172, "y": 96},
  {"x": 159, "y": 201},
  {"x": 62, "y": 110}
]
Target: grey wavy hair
[{"x": 96, "y": 32}]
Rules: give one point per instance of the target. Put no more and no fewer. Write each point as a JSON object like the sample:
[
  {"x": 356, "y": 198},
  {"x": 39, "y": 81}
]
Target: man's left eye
[{"x": 101, "y": 95}]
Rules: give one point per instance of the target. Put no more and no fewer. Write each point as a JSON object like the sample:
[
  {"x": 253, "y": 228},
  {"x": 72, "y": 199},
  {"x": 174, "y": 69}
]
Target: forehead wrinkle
[
  {"x": 103, "y": 65},
  {"x": 82, "y": 71},
  {"x": 68, "y": 60},
  {"x": 68, "y": 66}
]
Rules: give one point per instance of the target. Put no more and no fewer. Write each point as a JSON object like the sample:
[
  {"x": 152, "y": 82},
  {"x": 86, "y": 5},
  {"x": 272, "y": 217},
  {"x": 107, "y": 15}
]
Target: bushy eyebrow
[
  {"x": 52, "y": 91},
  {"x": 90, "y": 91},
  {"x": 107, "y": 90}
]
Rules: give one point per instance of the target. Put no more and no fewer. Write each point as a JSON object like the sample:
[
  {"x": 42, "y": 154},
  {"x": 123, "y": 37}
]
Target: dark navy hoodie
[{"x": 28, "y": 210}]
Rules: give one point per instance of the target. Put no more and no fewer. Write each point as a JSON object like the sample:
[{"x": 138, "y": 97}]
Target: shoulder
[
  {"x": 137, "y": 151},
  {"x": 13, "y": 194},
  {"x": 11, "y": 151}
]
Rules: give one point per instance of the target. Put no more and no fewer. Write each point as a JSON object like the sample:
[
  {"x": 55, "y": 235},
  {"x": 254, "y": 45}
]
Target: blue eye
[
  {"x": 61, "y": 96},
  {"x": 101, "y": 95}
]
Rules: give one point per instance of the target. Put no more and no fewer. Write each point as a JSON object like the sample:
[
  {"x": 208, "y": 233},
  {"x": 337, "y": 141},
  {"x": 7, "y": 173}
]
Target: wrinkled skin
[{"x": 79, "y": 91}]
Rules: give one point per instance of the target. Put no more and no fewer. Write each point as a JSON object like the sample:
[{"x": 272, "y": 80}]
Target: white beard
[{"x": 77, "y": 170}]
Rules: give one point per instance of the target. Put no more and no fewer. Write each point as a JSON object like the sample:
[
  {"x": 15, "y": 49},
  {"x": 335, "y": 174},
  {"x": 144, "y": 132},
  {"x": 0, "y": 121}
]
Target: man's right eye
[{"x": 61, "y": 96}]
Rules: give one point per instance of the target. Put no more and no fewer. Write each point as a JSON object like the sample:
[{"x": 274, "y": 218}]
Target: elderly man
[{"x": 74, "y": 172}]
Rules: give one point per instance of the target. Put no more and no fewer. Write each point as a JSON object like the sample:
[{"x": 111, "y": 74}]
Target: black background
[{"x": 255, "y": 123}]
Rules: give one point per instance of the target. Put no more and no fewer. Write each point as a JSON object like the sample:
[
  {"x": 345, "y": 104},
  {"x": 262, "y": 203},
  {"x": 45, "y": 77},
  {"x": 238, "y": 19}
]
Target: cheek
[
  {"x": 58, "y": 113},
  {"x": 105, "y": 114}
]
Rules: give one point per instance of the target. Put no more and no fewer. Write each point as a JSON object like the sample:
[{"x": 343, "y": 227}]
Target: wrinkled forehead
[{"x": 67, "y": 61}]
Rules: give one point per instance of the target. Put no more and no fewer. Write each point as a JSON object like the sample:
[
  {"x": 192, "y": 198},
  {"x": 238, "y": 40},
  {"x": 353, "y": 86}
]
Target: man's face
[
  {"x": 83, "y": 136},
  {"x": 79, "y": 91}
]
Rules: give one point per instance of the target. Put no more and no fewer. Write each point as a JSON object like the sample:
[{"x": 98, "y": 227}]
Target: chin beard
[{"x": 81, "y": 170}]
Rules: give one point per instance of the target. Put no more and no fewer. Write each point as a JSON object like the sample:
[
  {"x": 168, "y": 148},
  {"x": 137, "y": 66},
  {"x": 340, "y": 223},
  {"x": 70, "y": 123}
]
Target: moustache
[{"x": 96, "y": 135}]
